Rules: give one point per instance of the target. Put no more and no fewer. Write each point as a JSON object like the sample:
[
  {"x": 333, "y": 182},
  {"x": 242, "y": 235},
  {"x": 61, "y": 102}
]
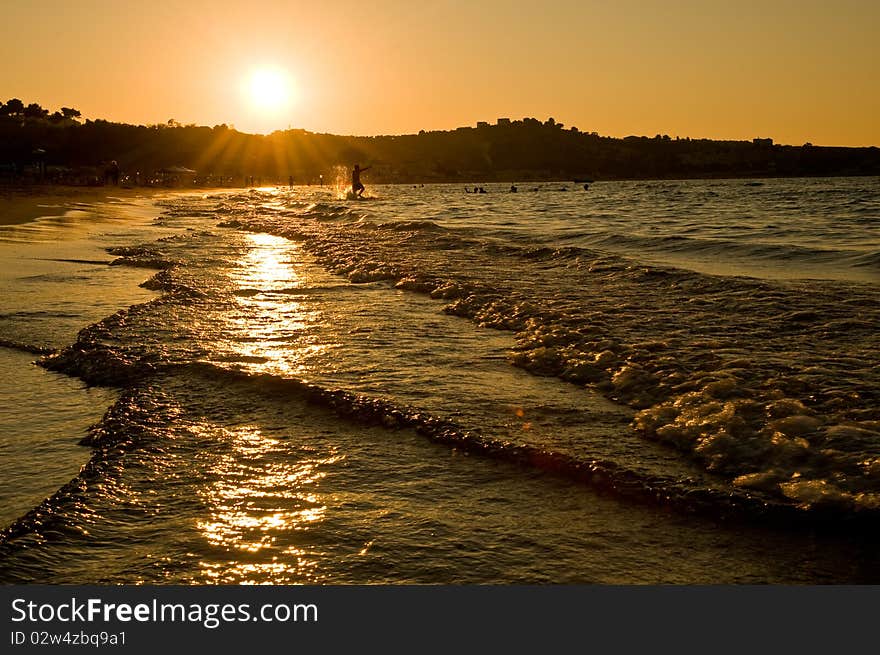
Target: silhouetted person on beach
[
  {"x": 356, "y": 187},
  {"x": 111, "y": 174}
]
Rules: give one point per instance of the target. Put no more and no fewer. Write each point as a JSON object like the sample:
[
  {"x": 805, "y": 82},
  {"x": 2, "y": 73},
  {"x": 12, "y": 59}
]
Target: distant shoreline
[{"x": 518, "y": 151}]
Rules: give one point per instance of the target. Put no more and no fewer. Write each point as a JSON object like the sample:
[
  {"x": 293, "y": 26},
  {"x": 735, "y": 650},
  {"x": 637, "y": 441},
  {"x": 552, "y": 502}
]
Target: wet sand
[{"x": 23, "y": 204}]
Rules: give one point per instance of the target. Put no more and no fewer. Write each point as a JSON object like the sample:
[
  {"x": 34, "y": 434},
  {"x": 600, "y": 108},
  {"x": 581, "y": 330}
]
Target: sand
[{"x": 23, "y": 204}]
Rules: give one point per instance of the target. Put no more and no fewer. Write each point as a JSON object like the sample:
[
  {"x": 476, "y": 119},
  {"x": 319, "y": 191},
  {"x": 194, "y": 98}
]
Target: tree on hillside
[
  {"x": 34, "y": 110},
  {"x": 70, "y": 113},
  {"x": 13, "y": 107}
]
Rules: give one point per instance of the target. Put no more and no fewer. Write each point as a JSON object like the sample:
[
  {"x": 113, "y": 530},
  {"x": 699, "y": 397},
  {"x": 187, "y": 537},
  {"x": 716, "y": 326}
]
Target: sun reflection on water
[
  {"x": 272, "y": 330},
  {"x": 267, "y": 263},
  {"x": 263, "y": 496}
]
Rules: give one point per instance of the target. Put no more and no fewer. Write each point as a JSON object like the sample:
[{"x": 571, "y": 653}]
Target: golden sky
[{"x": 795, "y": 71}]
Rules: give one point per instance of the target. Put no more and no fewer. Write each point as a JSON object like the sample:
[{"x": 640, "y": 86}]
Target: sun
[{"x": 269, "y": 89}]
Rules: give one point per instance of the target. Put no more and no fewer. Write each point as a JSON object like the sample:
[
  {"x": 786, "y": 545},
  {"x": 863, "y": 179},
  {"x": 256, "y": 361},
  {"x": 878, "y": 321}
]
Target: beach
[
  {"x": 22, "y": 204},
  {"x": 650, "y": 382}
]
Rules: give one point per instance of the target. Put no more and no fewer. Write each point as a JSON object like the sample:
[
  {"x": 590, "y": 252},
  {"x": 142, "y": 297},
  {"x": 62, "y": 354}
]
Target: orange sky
[{"x": 795, "y": 71}]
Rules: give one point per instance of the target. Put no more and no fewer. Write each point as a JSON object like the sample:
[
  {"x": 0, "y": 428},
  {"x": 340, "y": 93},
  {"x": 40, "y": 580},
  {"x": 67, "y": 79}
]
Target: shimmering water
[{"x": 644, "y": 382}]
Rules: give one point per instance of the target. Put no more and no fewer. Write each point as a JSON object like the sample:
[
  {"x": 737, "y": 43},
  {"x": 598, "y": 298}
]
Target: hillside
[{"x": 60, "y": 147}]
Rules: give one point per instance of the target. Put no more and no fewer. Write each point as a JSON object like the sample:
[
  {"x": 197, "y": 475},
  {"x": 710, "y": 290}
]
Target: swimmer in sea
[{"x": 356, "y": 187}]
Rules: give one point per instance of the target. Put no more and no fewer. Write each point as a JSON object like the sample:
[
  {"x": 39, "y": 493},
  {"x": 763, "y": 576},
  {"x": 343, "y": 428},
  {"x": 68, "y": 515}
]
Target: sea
[{"x": 641, "y": 382}]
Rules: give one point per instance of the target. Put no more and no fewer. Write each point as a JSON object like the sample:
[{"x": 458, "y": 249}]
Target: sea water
[{"x": 639, "y": 382}]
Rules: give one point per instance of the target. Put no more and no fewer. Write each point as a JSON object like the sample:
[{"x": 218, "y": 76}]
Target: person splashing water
[{"x": 357, "y": 188}]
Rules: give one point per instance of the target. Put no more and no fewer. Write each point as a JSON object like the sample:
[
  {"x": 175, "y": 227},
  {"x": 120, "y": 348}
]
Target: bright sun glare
[{"x": 269, "y": 89}]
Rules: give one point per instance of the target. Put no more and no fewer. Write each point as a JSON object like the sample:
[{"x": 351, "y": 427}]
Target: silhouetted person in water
[
  {"x": 513, "y": 188},
  {"x": 356, "y": 187}
]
